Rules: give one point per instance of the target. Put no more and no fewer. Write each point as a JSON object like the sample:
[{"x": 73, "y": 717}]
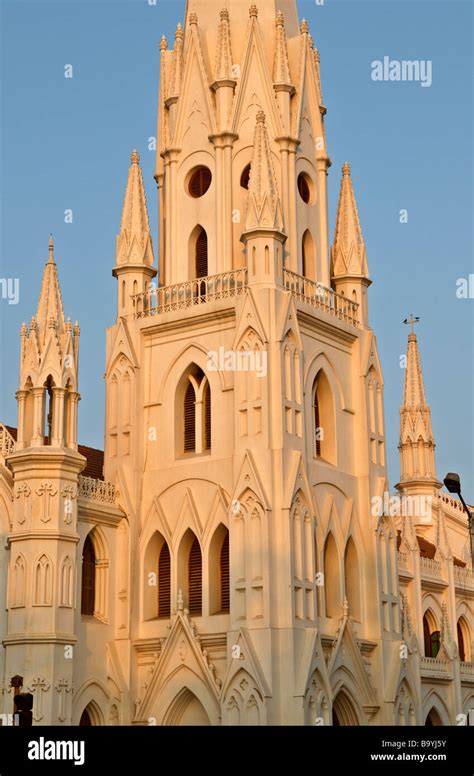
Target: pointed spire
[
  {"x": 416, "y": 434},
  {"x": 50, "y": 306},
  {"x": 223, "y": 49},
  {"x": 348, "y": 250},
  {"x": 134, "y": 244},
  {"x": 414, "y": 389},
  {"x": 281, "y": 67},
  {"x": 263, "y": 202},
  {"x": 176, "y": 63}
]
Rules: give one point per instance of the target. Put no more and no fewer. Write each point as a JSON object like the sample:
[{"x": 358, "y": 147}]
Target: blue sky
[{"x": 65, "y": 143}]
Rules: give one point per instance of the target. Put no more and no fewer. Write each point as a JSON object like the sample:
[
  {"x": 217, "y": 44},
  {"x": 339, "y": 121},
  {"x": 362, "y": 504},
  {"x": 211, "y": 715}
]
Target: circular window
[
  {"x": 245, "y": 177},
  {"x": 199, "y": 181},
  {"x": 304, "y": 189}
]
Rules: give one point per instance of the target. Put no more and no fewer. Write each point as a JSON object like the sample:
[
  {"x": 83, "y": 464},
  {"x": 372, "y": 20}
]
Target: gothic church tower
[
  {"x": 244, "y": 418},
  {"x": 45, "y": 465}
]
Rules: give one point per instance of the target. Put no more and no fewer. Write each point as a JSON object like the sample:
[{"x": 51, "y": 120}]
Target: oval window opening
[
  {"x": 199, "y": 181},
  {"x": 304, "y": 187},
  {"x": 245, "y": 177}
]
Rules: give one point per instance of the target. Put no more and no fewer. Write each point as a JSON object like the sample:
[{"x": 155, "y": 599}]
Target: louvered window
[
  {"x": 200, "y": 181},
  {"x": 224, "y": 569},
  {"x": 303, "y": 188},
  {"x": 164, "y": 582},
  {"x": 317, "y": 428},
  {"x": 201, "y": 254},
  {"x": 195, "y": 579},
  {"x": 189, "y": 420},
  {"x": 207, "y": 417},
  {"x": 245, "y": 177},
  {"x": 88, "y": 578}
]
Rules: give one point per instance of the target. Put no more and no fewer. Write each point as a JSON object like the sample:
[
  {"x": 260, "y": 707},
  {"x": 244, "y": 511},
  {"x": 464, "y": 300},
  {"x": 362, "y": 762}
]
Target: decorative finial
[
  {"x": 280, "y": 19},
  {"x": 179, "y": 31},
  {"x": 135, "y": 157},
  {"x": 316, "y": 54},
  {"x": 180, "y": 601},
  {"x": 77, "y": 330},
  {"x": 68, "y": 325},
  {"x": 253, "y": 11},
  {"x": 163, "y": 43},
  {"x": 345, "y": 608},
  {"x": 193, "y": 18},
  {"x": 410, "y": 321},
  {"x": 260, "y": 117},
  {"x": 346, "y": 170},
  {"x": 304, "y": 28},
  {"x": 51, "y": 250},
  {"x": 224, "y": 14},
  {"x": 23, "y": 330}
]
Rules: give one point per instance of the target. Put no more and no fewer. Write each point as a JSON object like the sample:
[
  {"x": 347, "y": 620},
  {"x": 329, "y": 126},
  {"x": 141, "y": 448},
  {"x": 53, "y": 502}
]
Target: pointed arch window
[
  {"x": 43, "y": 582},
  {"x": 193, "y": 406},
  {"x": 324, "y": 427},
  {"x": 190, "y": 419},
  {"x": 332, "y": 582},
  {"x": 164, "y": 582},
  {"x": 88, "y": 578},
  {"x": 431, "y": 636},
  {"x": 201, "y": 255},
  {"x": 195, "y": 579},
  {"x": 317, "y": 424},
  {"x": 207, "y": 416},
  {"x": 225, "y": 574},
  {"x": 461, "y": 647}
]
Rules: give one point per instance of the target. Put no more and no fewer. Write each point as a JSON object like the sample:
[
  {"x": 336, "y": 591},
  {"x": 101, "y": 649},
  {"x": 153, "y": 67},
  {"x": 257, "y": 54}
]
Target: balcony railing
[
  {"x": 463, "y": 577},
  {"x": 431, "y": 568},
  {"x": 466, "y": 669},
  {"x": 317, "y": 295},
  {"x": 434, "y": 665},
  {"x": 97, "y": 490},
  {"x": 181, "y": 296},
  {"x": 7, "y": 443}
]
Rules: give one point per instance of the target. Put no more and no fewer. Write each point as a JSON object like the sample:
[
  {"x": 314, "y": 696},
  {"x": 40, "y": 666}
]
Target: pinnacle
[
  {"x": 263, "y": 204},
  {"x": 348, "y": 250},
  {"x": 163, "y": 43},
  {"x": 134, "y": 239},
  {"x": 253, "y": 11}
]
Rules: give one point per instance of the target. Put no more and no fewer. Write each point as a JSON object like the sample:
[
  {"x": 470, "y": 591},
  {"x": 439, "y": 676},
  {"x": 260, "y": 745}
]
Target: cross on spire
[{"x": 412, "y": 319}]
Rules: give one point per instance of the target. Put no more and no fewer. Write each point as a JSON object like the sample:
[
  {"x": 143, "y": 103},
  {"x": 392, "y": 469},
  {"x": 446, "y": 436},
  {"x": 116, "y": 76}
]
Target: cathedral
[{"x": 234, "y": 556}]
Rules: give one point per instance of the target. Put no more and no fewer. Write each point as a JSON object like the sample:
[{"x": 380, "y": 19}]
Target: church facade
[{"x": 234, "y": 556}]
